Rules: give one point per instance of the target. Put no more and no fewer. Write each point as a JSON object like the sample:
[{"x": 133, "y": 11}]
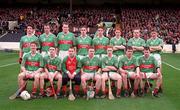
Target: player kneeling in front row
[
  {"x": 109, "y": 68},
  {"x": 71, "y": 71},
  {"x": 129, "y": 70},
  {"x": 52, "y": 68},
  {"x": 31, "y": 68},
  {"x": 149, "y": 69},
  {"x": 91, "y": 70}
]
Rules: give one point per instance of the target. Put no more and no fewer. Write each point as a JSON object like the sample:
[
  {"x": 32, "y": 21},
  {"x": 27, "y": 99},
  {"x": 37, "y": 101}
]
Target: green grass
[{"x": 170, "y": 100}]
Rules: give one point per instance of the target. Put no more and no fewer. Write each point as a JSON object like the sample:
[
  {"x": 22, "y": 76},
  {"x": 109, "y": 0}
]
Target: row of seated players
[{"x": 90, "y": 67}]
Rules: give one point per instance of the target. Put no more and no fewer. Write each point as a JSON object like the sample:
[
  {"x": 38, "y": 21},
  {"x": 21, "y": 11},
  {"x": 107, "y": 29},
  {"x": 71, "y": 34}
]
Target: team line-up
[{"x": 65, "y": 58}]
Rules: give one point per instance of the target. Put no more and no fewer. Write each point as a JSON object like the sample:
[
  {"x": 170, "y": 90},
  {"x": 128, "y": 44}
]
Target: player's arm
[{"x": 78, "y": 68}]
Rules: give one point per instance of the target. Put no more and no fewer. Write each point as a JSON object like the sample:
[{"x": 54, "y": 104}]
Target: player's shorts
[
  {"x": 110, "y": 74},
  {"x": 130, "y": 74},
  {"x": 148, "y": 75},
  {"x": 88, "y": 76},
  {"x": 158, "y": 58},
  {"x": 43, "y": 53},
  {"x": 63, "y": 54},
  {"x": 29, "y": 74},
  {"x": 81, "y": 56},
  {"x": 52, "y": 74}
]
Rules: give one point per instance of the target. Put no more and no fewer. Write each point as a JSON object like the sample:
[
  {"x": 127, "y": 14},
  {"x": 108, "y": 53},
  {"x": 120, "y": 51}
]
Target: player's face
[
  {"x": 65, "y": 28},
  {"x": 33, "y": 47},
  {"x": 71, "y": 52},
  {"x": 146, "y": 53},
  {"x": 47, "y": 29},
  {"x": 109, "y": 51},
  {"x": 91, "y": 52},
  {"x": 52, "y": 51},
  {"x": 100, "y": 32},
  {"x": 136, "y": 33},
  {"x": 129, "y": 53},
  {"x": 30, "y": 30},
  {"x": 118, "y": 33},
  {"x": 154, "y": 34},
  {"x": 83, "y": 31}
]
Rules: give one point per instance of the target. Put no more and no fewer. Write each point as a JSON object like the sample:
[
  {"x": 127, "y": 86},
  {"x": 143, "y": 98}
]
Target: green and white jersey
[
  {"x": 139, "y": 42},
  {"x": 100, "y": 45},
  {"x": 65, "y": 41},
  {"x": 32, "y": 63},
  {"x": 26, "y": 41},
  {"x": 90, "y": 65},
  {"x": 47, "y": 41},
  {"x": 147, "y": 64},
  {"x": 128, "y": 64},
  {"x": 52, "y": 64},
  {"x": 155, "y": 42},
  {"x": 83, "y": 44},
  {"x": 109, "y": 61},
  {"x": 118, "y": 42}
]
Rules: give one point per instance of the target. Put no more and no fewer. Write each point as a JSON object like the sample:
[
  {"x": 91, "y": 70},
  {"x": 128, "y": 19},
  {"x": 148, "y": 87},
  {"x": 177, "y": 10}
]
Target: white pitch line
[
  {"x": 171, "y": 65},
  {"x": 1, "y": 66}
]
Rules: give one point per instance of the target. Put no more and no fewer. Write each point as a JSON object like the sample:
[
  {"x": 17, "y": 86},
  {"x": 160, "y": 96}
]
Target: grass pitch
[{"x": 170, "y": 99}]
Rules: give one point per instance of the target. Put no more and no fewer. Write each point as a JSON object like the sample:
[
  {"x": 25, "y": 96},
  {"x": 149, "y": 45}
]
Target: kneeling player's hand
[{"x": 20, "y": 60}]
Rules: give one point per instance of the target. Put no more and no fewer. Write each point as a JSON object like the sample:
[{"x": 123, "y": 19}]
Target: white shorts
[
  {"x": 63, "y": 54},
  {"x": 110, "y": 74},
  {"x": 130, "y": 74},
  {"x": 158, "y": 58},
  {"x": 88, "y": 76},
  {"x": 148, "y": 75},
  {"x": 43, "y": 53}
]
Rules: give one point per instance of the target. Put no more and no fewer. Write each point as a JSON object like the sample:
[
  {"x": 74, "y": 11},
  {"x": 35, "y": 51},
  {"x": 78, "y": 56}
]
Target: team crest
[
  {"x": 87, "y": 62},
  {"x": 143, "y": 61},
  {"x": 125, "y": 62},
  {"x": 62, "y": 36}
]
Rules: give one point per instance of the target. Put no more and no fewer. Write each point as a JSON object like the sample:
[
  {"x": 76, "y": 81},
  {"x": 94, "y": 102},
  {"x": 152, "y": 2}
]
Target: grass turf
[{"x": 170, "y": 100}]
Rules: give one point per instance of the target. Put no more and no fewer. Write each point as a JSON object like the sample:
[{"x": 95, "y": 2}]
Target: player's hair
[
  {"x": 52, "y": 47},
  {"x": 129, "y": 48},
  {"x": 47, "y": 24},
  {"x": 84, "y": 26},
  {"x": 33, "y": 43},
  {"x": 72, "y": 48},
  {"x": 65, "y": 23},
  {"x": 109, "y": 46},
  {"x": 119, "y": 29},
  {"x": 30, "y": 25},
  {"x": 91, "y": 47},
  {"x": 146, "y": 48}
]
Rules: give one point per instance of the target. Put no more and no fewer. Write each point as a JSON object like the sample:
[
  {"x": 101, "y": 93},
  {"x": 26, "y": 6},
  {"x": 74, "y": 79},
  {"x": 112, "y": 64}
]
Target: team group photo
[{"x": 89, "y": 54}]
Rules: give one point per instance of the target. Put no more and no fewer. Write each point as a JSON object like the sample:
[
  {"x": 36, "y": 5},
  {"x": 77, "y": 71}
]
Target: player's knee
[{"x": 36, "y": 77}]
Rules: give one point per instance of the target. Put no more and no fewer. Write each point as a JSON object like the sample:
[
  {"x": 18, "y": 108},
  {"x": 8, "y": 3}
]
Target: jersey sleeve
[
  {"x": 24, "y": 60},
  {"x": 120, "y": 64},
  {"x": 41, "y": 61},
  {"x": 59, "y": 65},
  {"x": 124, "y": 42},
  {"x": 103, "y": 65},
  {"x": 78, "y": 65},
  {"x": 64, "y": 65}
]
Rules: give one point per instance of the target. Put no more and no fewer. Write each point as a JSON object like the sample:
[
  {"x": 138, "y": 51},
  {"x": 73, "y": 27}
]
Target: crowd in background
[{"x": 166, "y": 21}]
